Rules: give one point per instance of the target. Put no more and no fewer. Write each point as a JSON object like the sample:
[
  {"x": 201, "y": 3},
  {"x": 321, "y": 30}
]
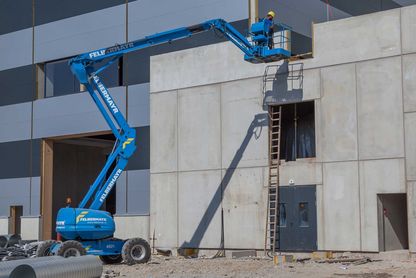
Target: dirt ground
[{"x": 259, "y": 267}]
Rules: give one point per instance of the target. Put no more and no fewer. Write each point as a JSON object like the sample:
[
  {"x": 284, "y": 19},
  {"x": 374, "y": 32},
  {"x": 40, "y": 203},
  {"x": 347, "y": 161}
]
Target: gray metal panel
[
  {"x": 141, "y": 157},
  {"x": 72, "y": 114},
  {"x": 79, "y": 34},
  {"x": 138, "y": 197},
  {"x": 15, "y": 122},
  {"x": 15, "y": 159},
  {"x": 36, "y": 158},
  {"x": 121, "y": 195},
  {"x": 147, "y": 17},
  {"x": 17, "y": 85},
  {"x": 9, "y": 22},
  {"x": 299, "y": 14},
  {"x": 16, "y": 49},
  {"x": 35, "y": 196},
  {"x": 51, "y": 10},
  {"x": 138, "y": 106},
  {"x": 14, "y": 192}
]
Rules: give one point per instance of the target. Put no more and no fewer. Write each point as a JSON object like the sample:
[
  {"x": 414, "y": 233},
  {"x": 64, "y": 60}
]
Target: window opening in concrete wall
[
  {"x": 298, "y": 131},
  {"x": 392, "y": 222},
  {"x": 59, "y": 80},
  {"x": 16, "y": 212}
]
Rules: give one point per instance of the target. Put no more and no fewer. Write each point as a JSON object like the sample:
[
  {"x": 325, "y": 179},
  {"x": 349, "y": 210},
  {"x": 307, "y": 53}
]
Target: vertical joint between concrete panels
[
  {"x": 31, "y": 111},
  {"x": 177, "y": 167},
  {"x": 221, "y": 148},
  {"x": 401, "y": 36},
  {"x": 358, "y": 155}
]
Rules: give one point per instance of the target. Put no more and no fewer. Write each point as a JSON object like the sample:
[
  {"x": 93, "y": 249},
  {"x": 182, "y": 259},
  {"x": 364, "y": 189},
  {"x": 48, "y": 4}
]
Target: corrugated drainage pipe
[
  {"x": 7, "y": 267},
  {"x": 74, "y": 267}
]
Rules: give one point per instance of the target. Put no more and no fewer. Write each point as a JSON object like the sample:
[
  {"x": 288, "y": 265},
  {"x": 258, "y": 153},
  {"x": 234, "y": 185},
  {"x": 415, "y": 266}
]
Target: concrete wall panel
[
  {"x": 4, "y": 225},
  {"x": 72, "y": 114},
  {"x": 164, "y": 209},
  {"x": 409, "y": 82},
  {"x": 408, "y": 25},
  {"x": 411, "y": 215},
  {"x": 199, "y": 128},
  {"x": 320, "y": 218},
  {"x": 15, "y": 122},
  {"x": 220, "y": 64},
  {"x": 243, "y": 124},
  {"x": 35, "y": 196},
  {"x": 146, "y": 18},
  {"x": 30, "y": 228},
  {"x": 244, "y": 204},
  {"x": 79, "y": 34},
  {"x": 199, "y": 209},
  {"x": 341, "y": 213},
  {"x": 359, "y": 38},
  {"x": 410, "y": 135},
  {"x": 302, "y": 172},
  {"x": 338, "y": 114},
  {"x": 380, "y": 109},
  {"x": 129, "y": 226},
  {"x": 163, "y": 132},
  {"x": 16, "y": 49},
  {"x": 138, "y": 108},
  {"x": 377, "y": 176}
]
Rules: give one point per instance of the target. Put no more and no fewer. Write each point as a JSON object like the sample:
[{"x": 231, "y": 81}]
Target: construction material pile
[{"x": 13, "y": 248}]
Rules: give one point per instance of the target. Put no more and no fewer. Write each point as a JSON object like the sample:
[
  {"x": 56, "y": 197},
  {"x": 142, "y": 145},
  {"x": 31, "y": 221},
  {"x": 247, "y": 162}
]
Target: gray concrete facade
[{"x": 209, "y": 149}]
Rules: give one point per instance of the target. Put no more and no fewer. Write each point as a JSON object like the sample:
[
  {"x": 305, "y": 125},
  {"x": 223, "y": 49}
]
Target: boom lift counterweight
[{"x": 87, "y": 229}]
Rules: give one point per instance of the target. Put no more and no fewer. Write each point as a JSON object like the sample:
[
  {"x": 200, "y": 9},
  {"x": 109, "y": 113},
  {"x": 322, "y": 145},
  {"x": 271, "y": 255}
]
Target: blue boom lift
[{"x": 88, "y": 230}]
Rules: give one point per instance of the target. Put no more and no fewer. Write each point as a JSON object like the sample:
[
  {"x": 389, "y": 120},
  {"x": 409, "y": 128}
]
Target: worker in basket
[{"x": 269, "y": 23}]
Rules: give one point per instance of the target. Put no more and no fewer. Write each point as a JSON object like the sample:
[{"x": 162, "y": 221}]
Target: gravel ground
[{"x": 256, "y": 267}]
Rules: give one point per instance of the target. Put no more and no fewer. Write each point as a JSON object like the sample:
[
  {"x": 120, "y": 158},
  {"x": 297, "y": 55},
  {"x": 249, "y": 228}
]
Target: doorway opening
[
  {"x": 70, "y": 167},
  {"x": 392, "y": 222}
]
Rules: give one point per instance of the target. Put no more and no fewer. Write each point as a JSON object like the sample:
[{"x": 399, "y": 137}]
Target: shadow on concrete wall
[
  {"x": 255, "y": 129},
  {"x": 282, "y": 84}
]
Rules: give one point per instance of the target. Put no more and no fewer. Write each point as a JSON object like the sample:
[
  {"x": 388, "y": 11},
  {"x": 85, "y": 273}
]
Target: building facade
[{"x": 53, "y": 141}]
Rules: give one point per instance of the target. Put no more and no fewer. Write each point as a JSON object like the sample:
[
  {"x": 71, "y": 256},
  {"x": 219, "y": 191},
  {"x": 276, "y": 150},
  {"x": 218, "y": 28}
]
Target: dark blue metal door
[{"x": 297, "y": 223}]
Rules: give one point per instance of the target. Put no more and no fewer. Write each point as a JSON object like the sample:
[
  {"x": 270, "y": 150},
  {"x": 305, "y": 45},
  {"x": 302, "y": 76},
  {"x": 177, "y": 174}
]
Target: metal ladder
[{"x": 271, "y": 241}]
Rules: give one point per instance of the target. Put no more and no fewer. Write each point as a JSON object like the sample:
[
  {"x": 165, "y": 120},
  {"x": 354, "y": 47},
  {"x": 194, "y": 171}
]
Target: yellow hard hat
[{"x": 271, "y": 13}]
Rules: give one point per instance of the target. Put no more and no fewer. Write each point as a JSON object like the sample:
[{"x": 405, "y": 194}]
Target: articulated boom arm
[{"x": 83, "y": 68}]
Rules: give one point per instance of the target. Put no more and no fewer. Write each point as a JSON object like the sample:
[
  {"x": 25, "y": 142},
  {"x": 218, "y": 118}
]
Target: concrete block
[
  {"x": 54, "y": 117},
  {"x": 221, "y": 62},
  {"x": 16, "y": 49},
  {"x": 15, "y": 121},
  {"x": 30, "y": 227},
  {"x": 409, "y": 82},
  {"x": 380, "y": 109},
  {"x": 163, "y": 132},
  {"x": 199, "y": 128},
  {"x": 138, "y": 107},
  {"x": 199, "y": 209},
  {"x": 410, "y": 135},
  {"x": 341, "y": 214},
  {"x": 367, "y": 37},
  {"x": 338, "y": 114},
  {"x": 302, "y": 172},
  {"x": 408, "y": 25},
  {"x": 4, "y": 225},
  {"x": 164, "y": 209},
  {"x": 243, "y": 124},
  {"x": 376, "y": 177},
  {"x": 129, "y": 226},
  {"x": 244, "y": 204},
  {"x": 411, "y": 214}
]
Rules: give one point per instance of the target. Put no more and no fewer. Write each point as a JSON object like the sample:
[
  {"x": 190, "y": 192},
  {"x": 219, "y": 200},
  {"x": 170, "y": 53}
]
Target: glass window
[
  {"x": 59, "y": 80},
  {"x": 282, "y": 215},
  {"x": 303, "y": 215}
]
